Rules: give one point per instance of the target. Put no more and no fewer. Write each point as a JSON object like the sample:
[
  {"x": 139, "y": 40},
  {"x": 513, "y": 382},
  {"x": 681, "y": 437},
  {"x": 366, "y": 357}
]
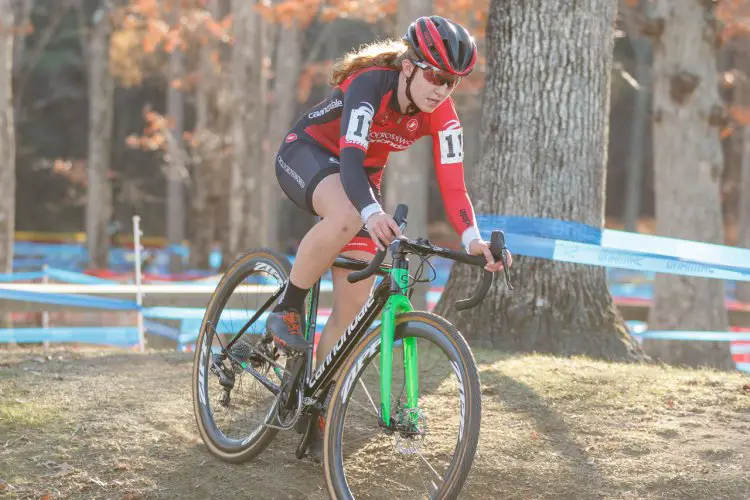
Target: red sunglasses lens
[{"x": 439, "y": 78}]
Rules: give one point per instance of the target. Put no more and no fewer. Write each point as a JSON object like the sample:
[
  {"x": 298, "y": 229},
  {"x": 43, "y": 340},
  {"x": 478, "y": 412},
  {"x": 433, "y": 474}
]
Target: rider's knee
[{"x": 347, "y": 221}]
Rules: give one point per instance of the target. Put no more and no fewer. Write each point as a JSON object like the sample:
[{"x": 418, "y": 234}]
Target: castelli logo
[
  {"x": 412, "y": 125},
  {"x": 291, "y": 138}
]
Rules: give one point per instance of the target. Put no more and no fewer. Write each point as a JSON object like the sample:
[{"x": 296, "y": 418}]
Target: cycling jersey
[{"x": 360, "y": 123}]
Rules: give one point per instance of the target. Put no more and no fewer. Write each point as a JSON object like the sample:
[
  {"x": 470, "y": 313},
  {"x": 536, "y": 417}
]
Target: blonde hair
[{"x": 388, "y": 53}]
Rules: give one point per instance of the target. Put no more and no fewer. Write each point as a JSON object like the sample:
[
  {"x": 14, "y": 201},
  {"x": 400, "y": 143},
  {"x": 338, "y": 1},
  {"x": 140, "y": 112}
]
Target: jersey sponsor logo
[
  {"x": 464, "y": 217},
  {"x": 360, "y": 120},
  {"x": 412, "y": 125},
  {"x": 393, "y": 140},
  {"x": 335, "y": 104},
  {"x": 451, "y": 143},
  {"x": 290, "y": 138},
  {"x": 294, "y": 175}
]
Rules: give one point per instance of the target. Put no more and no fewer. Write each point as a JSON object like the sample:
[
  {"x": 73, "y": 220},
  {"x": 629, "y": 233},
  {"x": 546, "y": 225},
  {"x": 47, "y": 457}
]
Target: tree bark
[
  {"x": 288, "y": 61},
  {"x": 209, "y": 156},
  {"x": 743, "y": 236},
  {"x": 249, "y": 210},
  {"x": 688, "y": 165},
  {"x": 7, "y": 138},
  {"x": 101, "y": 121},
  {"x": 641, "y": 46},
  {"x": 543, "y": 154},
  {"x": 176, "y": 168},
  {"x": 408, "y": 171},
  {"x": 743, "y": 287}
]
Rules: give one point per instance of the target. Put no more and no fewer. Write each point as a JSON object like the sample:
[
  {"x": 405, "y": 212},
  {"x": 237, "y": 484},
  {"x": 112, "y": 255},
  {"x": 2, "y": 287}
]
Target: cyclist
[{"x": 385, "y": 96}]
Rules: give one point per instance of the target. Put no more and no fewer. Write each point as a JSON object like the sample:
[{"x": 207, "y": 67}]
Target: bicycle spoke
[{"x": 374, "y": 406}]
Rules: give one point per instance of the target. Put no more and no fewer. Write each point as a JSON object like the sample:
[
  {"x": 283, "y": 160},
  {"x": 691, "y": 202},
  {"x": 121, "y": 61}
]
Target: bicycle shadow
[{"x": 532, "y": 444}]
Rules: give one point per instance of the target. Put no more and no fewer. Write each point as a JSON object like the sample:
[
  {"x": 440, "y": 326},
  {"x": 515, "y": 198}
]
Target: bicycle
[{"x": 298, "y": 394}]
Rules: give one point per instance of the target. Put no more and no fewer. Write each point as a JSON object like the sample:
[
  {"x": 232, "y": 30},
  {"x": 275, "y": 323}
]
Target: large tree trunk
[
  {"x": 743, "y": 287},
  {"x": 641, "y": 46},
  {"x": 743, "y": 237},
  {"x": 7, "y": 138},
  {"x": 248, "y": 213},
  {"x": 211, "y": 132},
  {"x": 176, "y": 168},
  {"x": 101, "y": 120},
  {"x": 288, "y": 60},
  {"x": 688, "y": 165},
  {"x": 408, "y": 171},
  {"x": 544, "y": 133}
]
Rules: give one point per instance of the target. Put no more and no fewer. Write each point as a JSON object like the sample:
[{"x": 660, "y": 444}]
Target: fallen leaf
[{"x": 62, "y": 469}]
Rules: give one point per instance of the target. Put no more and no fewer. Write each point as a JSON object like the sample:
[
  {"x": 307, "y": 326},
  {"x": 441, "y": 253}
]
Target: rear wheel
[
  {"x": 430, "y": 451},
  {"x": 231, "y": 406}
]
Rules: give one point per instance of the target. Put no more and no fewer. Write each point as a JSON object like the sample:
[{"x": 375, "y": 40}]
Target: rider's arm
[
  {"x": 361, "y": 101},
  {"x": 448, "y": 154}
]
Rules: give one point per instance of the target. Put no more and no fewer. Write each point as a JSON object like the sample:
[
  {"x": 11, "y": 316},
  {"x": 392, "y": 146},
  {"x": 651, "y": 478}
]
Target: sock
[{"x": 293, "y": 298}]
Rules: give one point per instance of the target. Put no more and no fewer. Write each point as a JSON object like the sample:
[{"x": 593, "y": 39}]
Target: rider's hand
[
  {"x": 383, "y": 229},
  {"x": 481, "y": 247}
]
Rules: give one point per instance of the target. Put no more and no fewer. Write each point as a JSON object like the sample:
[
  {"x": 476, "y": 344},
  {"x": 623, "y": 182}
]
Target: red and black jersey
[{"x": 360, "y": 123}]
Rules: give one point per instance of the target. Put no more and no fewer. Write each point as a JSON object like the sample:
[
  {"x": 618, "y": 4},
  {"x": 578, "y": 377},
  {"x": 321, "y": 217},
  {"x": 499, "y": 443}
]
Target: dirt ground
[{"x": 114, "y": 424}]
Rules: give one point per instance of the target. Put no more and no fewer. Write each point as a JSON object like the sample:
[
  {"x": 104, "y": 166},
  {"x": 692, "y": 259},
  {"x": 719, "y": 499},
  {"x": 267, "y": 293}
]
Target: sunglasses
[{"x": 437, "y": 76}]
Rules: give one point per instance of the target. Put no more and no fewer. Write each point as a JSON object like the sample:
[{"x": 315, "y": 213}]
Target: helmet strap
[{"x": 411, "y": 109}]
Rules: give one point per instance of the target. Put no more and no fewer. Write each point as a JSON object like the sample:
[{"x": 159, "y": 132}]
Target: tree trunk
[
  {"x": 248, "y": 210},
  {"x": 176, "y": 168},
  {"x": 7, "y": 139},
  {"x": 743, "y": 237},
  {"x": 408, "y": 171},
  {"x": 210, "y": 138},
  {"x": 688, "y": 164},
  {"x": 543, "y": 154},
  {"x": 101, "y": 120},
  {"x": 288, "y": 61},
  {"x": 743, "y": 287}
]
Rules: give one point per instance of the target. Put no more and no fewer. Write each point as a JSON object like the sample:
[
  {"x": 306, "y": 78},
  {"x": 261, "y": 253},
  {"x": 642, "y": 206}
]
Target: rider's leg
[
  {"x": 348, "y": 299},
  {"x": 317, "y": 251},
  {"x": 322, "y": 244}
]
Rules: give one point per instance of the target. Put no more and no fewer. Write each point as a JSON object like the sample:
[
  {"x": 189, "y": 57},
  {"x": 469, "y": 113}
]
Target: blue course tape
[
  {"x": 582, "y": 253},
  {"x": 124, "y": 336},
  {"x": 76, "y": 278},
  {"x": 685, "y": 255},
  {"x": 162, "y": 330},
  {"x": 85, "y": 301},
  {"x": 693, "y": 335},
  {"x": 28, "y": 276}
]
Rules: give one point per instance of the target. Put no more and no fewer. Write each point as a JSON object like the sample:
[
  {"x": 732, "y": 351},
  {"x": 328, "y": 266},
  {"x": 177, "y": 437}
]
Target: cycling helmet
[{"x": 443, "y": 44}]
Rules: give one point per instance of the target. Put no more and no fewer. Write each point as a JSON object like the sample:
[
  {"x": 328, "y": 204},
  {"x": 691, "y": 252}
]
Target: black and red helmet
[{"x": 443, "y": 43}]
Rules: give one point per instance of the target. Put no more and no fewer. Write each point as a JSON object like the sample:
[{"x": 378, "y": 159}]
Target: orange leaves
[
  {"x": 740, "y": 114},
  {"x": 632, "y": 3},
  {"x": 735, "y": 15}
]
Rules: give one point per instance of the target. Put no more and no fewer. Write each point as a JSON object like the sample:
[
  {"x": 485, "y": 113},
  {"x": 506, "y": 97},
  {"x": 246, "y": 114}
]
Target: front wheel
[{"x": 429, "y": 450}]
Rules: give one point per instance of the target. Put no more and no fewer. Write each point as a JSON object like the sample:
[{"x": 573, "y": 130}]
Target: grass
[{"x": 114, "y": 424}]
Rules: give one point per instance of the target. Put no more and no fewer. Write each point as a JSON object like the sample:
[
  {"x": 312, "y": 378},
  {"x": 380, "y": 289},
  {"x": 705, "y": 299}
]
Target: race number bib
[
  {"x": 451, "y": 146},
  {"x": 359, "y": 125}
]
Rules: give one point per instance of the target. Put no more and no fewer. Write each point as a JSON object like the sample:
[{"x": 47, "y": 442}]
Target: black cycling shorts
[{"x": 300, "y": 166}]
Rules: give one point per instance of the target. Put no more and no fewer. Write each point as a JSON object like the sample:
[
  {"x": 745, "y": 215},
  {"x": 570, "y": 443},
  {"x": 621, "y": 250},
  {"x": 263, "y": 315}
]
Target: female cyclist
[{"x": 385, "y": 96}]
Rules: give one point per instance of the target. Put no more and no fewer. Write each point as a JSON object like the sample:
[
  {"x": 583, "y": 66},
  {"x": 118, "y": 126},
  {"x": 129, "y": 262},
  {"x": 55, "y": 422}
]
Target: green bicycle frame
[{"x": 397, "y": 303}]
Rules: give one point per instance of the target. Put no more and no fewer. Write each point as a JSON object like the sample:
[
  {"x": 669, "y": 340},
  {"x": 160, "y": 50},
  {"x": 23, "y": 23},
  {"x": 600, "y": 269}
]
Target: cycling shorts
[{"x": 300, "y": 166}]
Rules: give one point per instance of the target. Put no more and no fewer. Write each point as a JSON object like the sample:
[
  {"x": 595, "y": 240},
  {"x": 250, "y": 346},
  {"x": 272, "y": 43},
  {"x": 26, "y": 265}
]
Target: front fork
[{"x": 398, "y": 303}]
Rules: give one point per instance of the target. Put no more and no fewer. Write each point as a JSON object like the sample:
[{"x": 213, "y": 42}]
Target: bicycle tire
[
  {"x": 413, "y": 324},
  {"x": 225, "y": 449}
]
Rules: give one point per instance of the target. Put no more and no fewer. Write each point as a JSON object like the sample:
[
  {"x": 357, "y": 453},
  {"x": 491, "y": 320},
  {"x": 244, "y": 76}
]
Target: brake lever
[{"x": 506, "y": 272}]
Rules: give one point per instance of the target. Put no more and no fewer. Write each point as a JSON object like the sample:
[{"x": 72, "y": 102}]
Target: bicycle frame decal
[{"x": 343, "y": 340}]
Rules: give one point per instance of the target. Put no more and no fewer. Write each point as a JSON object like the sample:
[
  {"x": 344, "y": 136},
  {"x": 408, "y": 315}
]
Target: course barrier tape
[{"x": 645, "y": 244}]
